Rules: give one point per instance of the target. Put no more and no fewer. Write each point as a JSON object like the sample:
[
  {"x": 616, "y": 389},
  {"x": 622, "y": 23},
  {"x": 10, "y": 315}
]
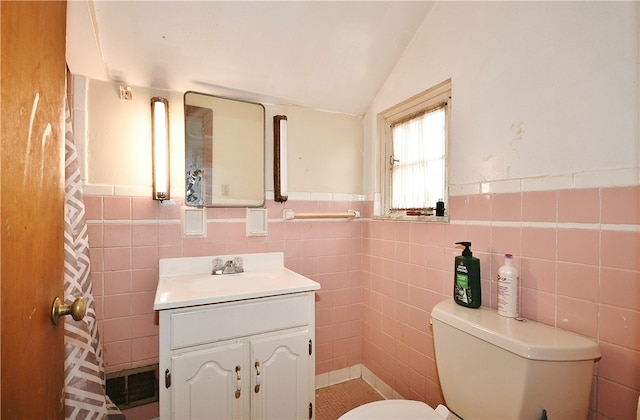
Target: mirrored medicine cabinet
[{"x": 224, "y": 151}]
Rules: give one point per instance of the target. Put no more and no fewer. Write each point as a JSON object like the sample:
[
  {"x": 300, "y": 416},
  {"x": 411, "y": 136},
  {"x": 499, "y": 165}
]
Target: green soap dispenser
[{"x": 466, "y": 281}]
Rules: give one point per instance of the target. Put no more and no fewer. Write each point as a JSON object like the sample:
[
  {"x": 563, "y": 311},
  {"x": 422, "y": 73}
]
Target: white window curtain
[{"x": 417, "y": 178}]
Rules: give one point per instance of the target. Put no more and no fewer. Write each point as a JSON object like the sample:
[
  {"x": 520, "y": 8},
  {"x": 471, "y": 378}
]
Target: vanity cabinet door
[
  {"x": 205, "y": 383},
  {"x": 281, "y": 365},
  {"x": 265, "y": 341}
]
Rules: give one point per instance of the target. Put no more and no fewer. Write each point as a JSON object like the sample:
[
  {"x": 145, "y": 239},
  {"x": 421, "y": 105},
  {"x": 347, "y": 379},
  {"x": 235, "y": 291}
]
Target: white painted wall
[
  {"x": 325, "y": 149},
  {"x": 545, "y": 94},
  {"x": 118, "y": 139}
]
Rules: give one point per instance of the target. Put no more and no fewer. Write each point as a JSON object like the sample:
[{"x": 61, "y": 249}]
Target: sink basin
[{"x": 259, "y": 280}]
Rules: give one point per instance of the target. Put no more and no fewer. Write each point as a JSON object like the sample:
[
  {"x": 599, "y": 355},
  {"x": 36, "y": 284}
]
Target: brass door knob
[{"x": 77, "y": 309}]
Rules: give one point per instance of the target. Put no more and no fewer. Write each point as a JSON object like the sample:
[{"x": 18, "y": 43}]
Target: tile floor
[{"x": 335, "y": 400}]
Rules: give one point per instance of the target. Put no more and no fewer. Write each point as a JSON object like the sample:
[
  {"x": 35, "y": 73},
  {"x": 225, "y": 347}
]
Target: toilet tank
[{"x": 495, "y": 367}]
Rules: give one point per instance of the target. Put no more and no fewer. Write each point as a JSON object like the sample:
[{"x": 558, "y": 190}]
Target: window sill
[{"x": 404, "y": 218}]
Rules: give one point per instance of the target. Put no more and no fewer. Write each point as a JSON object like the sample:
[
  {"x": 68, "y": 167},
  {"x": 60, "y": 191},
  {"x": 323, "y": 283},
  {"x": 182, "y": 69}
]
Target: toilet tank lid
[{"x": 528, "y": 339}]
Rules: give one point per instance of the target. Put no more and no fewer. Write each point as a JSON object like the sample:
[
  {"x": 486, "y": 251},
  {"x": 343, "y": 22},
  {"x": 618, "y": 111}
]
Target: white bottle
[{"x": 508, "y": 288}]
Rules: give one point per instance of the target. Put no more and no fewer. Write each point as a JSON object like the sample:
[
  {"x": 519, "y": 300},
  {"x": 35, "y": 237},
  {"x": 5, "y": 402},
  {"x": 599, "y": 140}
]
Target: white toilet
[{"x": 499, "y": 368}]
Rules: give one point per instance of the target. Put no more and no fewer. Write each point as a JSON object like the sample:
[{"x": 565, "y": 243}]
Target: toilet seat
[{"x": 396, "y": 409}]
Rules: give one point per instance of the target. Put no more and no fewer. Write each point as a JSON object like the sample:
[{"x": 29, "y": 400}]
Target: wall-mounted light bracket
[
  {"x": 280, "y": 158},
  {"x": 160, "y": 148}
]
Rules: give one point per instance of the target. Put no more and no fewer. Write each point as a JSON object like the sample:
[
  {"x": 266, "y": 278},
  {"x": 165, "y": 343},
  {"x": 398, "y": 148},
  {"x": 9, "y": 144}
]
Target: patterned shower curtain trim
[{"x": 85, "y": 396}]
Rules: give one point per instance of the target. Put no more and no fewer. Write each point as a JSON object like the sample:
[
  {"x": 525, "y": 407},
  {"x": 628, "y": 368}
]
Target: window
[{"x": 414, "y": 144}]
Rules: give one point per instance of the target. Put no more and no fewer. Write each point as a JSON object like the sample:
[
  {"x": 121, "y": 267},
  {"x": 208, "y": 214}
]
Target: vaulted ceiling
[{"x": 327, "y": 55}]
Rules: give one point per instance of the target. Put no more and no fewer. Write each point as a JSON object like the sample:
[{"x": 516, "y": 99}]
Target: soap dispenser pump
[{"x": 466, "y": 281}]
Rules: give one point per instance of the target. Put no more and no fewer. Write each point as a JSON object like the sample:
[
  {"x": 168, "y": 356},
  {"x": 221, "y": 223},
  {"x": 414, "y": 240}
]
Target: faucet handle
[
  {"x": 218, "y": 265},
  {"x": 237, "y": 264},
  {"x": 228, "y": 268}
]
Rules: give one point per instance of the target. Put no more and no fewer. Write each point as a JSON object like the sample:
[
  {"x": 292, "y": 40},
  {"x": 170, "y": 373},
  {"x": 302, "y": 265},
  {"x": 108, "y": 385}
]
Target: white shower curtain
[{"x": 85, "y": 396}]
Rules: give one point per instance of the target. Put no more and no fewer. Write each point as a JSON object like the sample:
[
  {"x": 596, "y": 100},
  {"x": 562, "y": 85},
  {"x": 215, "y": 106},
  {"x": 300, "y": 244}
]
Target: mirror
[{"x": 224, "y": 152}]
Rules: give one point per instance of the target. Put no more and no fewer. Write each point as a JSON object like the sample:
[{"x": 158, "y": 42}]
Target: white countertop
[{"x": 186, "y": 282}]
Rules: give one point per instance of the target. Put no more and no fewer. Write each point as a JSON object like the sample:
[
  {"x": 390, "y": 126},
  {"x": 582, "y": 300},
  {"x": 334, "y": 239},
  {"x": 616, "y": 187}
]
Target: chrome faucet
[{"x": 228, "y": 267}]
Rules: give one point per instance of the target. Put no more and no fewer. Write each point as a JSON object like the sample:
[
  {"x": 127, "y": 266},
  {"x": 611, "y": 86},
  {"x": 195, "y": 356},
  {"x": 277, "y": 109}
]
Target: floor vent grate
[{"x": 133, "y": 387}]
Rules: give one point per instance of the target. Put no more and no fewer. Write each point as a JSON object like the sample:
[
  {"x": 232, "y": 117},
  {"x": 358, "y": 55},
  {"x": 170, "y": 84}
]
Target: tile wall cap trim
[
  {"x": 141, "y": 221},
  {"x": 318, "y": 196},
  {"x": 550, "y": 225},
  {"x": 595, "y": 179},
  {"x": 580, "y": 226},
  {"x": 178, "y": 221},
  {"x": 548, "y": 183},
  {"x": 611, "y": 178},
  {"x": 473, "y": 222},
  {"x": 213, "y": 221},
  {"x": 241, "y": 219},
  {"x": 138, "y": 191},
  {"x": 464, "y": 189},
  {"x": 578, "y": 180},
  {"x": 505, "y": 186},
  {"x": 97, "y": 189},
  {"x": 299, "y": 196},
  {"x": 540, "y": 225},
  {"x": 621, "y": 228},
  {"x": 124, "y": 190}
]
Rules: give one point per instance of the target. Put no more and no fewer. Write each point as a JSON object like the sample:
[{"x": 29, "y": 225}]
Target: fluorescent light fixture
[
  {"x": 280, "y": 158},
  {"x": 160, "y": 147}
]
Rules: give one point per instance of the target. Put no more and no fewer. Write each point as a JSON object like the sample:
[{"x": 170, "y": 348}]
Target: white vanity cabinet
[{"x": 240, "y": 359}]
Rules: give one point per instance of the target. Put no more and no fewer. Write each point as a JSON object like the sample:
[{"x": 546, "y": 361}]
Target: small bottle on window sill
[{"x": 440, "y": 208}]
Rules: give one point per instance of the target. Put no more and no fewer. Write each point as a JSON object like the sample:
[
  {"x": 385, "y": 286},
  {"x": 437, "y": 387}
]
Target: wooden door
[{"x": 32, "y": 70}]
